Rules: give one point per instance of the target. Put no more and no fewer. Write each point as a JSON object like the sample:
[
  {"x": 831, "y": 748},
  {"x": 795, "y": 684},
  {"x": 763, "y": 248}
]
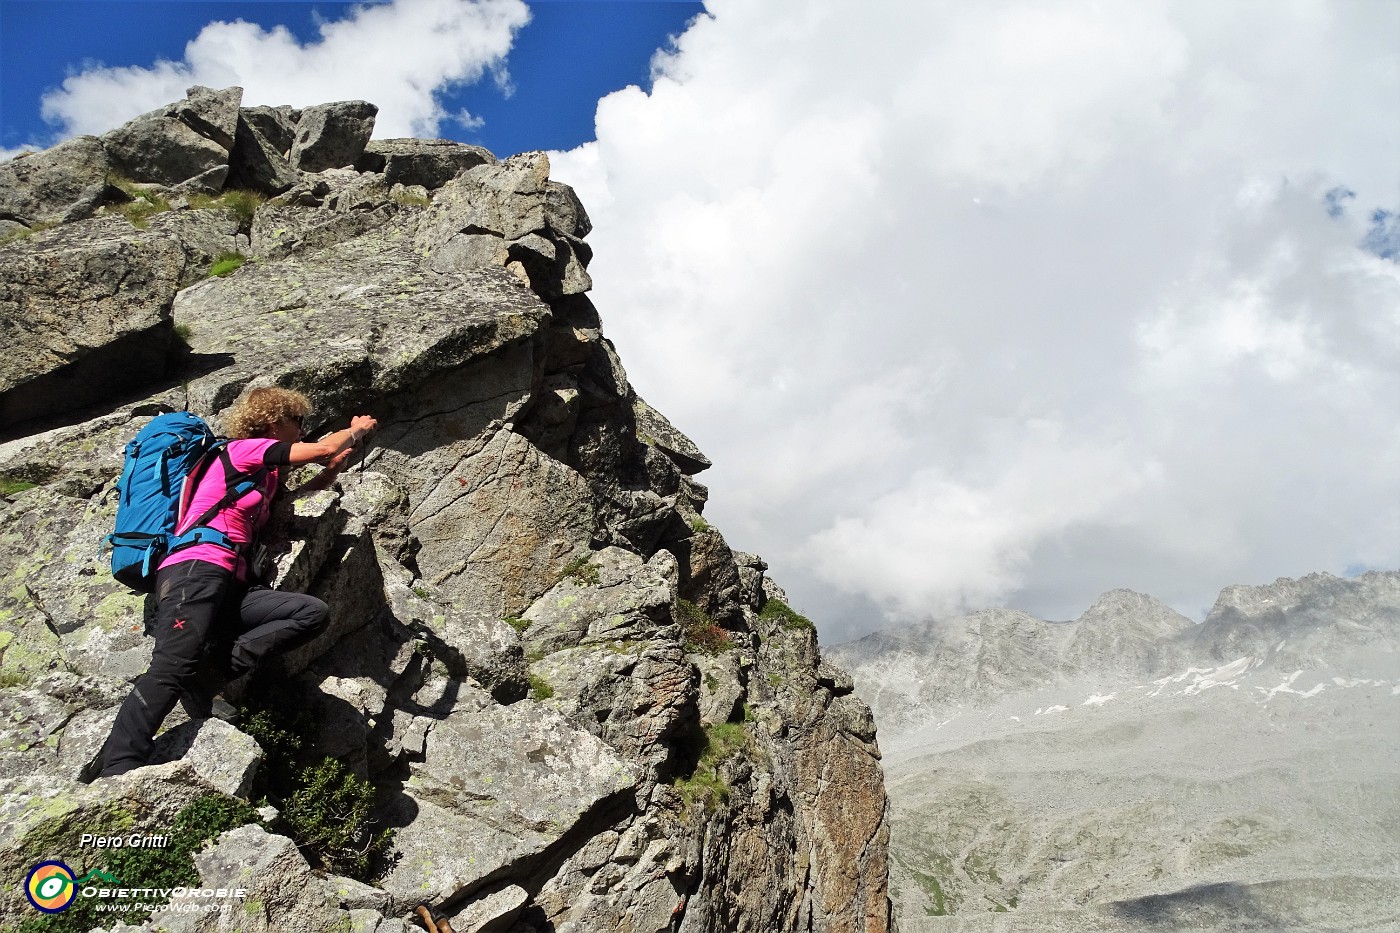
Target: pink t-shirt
[{"x": 241, "y": 520}]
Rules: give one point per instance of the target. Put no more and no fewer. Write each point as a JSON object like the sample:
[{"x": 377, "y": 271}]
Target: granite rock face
[{"x": 570, "y": 699}]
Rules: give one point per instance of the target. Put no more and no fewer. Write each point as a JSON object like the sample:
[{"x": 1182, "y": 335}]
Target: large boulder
[
  {"x": 218, "y": 752},
  {"x": 65, "y": 183},
  {"x": 608, "y": 596},
  {"x": 497, "y": 788},
  {"x": 84, "y": 315},
  {"x": 507, "y": 199},
  {"x": 332, "y": 135},
  {"x": 277, "y": 125},
  {"x": 185, "y": 142},
  {"x": 44, "y": 816},
  {"x": 431, "y": 163},
  {"x": 61, "y": 608},
  {"x": 328, "y": 322},
  {"x": 256, "y": 163},
  {"x": 280, "y": 892}
]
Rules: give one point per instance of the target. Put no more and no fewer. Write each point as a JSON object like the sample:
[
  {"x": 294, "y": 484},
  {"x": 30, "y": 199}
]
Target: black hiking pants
[{"x": 206, "y": 624}]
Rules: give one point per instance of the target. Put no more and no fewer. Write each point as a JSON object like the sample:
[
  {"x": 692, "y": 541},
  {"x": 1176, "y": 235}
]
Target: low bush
[
  {"x": 699, "y": 632},
  {"x": 325, "y": 807},
  {"x": 582, "y": 570}
]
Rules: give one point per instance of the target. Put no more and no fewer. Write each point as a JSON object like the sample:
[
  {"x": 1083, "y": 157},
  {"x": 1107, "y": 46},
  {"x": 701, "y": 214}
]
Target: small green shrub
[
  {"x": 582, "y": 570},
  {"x": 517, "y": 623},
  {"x": 699, "y": 632},
  {"x": 699, "y": 524},
  {"x": 326, "y": 807},
  {"x": 329, "y": 817},
  {"x": 540, "y": 688},
  {"x": 227, "y": 263},
  {"x": 775, "y": 610}
]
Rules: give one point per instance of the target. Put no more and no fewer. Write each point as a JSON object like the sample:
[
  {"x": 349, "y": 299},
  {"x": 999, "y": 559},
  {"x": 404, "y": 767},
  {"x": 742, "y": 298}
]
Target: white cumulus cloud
[
  {"x": 1013, "y": 302},
  {"x": 398, "y": 55}
]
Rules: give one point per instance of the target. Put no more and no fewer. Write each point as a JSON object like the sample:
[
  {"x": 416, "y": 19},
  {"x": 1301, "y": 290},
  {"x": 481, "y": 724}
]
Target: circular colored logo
[{"x": 50, "y": 887}]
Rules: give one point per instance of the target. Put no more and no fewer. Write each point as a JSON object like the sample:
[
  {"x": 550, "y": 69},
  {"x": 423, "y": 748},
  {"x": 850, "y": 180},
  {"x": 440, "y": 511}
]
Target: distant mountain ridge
[
  {"x": 910, "y": 674},
  {"x": 1132, "y": 771}
]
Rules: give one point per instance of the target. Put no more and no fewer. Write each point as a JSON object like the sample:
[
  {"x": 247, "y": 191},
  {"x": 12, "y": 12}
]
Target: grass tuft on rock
[
  {"x": 540, "y": 688},
  {"x": 226, "y": 264},
  {"x": 775, "y": 610},
  {"x": 240, "y": 205},
  {"x": 144, "y": 204},
  {"x": 706, "y": 786},
  {"x": 10, "y": 486}
]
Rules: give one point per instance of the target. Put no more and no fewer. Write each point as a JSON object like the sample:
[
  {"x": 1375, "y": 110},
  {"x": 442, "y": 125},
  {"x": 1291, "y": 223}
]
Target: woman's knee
[{"x": 313, "y": 614}]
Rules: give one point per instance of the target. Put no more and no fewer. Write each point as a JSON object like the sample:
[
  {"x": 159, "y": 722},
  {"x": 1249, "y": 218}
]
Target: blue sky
[
  {"x": 971, "y": 304},
  {"x": 571, "y": 53}
]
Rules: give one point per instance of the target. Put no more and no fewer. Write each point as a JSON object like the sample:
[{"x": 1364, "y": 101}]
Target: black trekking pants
[{"x": 204, "y": 618}]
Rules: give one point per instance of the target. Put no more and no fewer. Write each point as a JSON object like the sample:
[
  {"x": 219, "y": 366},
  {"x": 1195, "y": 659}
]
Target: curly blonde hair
[{"x": 258, "y": 410}]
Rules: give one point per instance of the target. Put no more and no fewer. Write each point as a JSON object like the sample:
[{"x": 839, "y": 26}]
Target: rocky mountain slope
[
  {"x": 574, "y": 706},
  {"x": 1133, "y": 771}
]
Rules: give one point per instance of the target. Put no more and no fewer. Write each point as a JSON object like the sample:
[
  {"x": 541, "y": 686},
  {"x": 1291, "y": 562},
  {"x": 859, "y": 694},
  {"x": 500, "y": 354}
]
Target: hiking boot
[{"x": 199, "y": 697}]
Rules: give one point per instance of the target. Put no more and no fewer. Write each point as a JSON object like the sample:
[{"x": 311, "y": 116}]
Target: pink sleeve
[{"x": 247, "y": 455}]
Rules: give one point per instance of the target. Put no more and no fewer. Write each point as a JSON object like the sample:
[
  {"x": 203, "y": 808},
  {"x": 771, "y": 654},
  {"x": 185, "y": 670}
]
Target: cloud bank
[
  {"x": 399, "y": 55},
  {"x": 1012, "y": 303}
]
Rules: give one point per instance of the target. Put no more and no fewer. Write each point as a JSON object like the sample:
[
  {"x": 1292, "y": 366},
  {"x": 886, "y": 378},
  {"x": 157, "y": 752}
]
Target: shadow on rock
[{"x": 1207, "y": 906}]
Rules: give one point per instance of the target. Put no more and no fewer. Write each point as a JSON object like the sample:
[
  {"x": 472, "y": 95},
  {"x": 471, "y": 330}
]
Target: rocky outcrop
[
  {"x": 576, "y": 706},
  {"x": 64, "y": 183},
  {"x": 185, "y": 144},
  {"x": 430, "y": 163},
  {"x": 332, "y": 135}
]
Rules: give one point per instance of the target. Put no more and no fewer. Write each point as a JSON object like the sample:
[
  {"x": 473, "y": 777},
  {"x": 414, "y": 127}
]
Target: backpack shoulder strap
[{"x": 236, "y": 484}]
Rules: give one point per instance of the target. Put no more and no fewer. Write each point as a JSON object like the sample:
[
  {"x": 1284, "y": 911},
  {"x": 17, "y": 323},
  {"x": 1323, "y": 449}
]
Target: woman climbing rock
[{"x": 214, "y": 620}]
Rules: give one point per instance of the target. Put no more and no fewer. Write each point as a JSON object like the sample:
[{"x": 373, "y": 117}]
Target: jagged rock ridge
[{"x": 523, "y": 517}]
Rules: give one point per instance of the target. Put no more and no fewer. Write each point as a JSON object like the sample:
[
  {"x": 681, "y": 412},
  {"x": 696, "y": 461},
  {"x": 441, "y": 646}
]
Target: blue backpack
[{"x": 164, "y": 465}]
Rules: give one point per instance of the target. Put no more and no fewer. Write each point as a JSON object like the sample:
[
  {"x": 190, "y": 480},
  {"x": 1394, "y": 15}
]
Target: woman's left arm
[{"x": 323, "y": 479}]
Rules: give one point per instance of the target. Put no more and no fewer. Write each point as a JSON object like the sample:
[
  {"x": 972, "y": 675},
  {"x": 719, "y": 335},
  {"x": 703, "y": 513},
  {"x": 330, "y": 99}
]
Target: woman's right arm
[{"x": 326, "y": 448}]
